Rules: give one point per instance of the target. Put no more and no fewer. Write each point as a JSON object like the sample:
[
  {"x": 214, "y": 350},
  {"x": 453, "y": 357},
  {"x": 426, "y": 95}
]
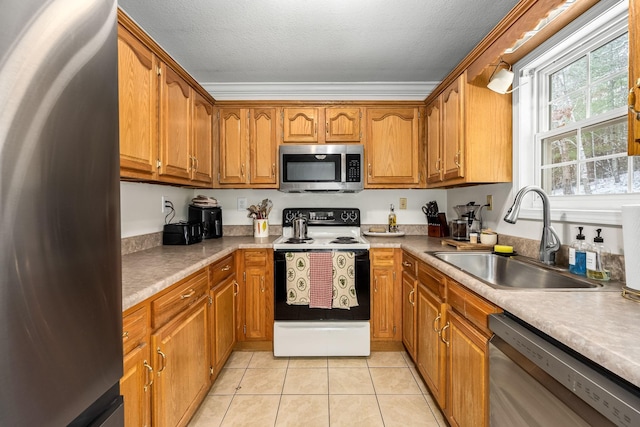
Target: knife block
[{"x": 437, "y": 225}]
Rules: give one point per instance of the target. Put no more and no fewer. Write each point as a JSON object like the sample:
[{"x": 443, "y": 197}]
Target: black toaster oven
[{"x": 182, "y": 233}]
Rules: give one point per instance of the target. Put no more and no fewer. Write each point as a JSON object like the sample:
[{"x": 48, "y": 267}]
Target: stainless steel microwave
[{"x": 321, "y": 168}]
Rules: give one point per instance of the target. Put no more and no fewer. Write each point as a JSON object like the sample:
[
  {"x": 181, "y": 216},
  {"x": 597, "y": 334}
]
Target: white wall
[
  {"x": 141, "y": 203},
  {"x": 530, "y": 229}
]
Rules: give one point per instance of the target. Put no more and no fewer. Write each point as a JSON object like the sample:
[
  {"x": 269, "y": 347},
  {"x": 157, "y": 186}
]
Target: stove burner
[
  {"x": 295, "y": 241},
  {"x": 345, "y": 240}
]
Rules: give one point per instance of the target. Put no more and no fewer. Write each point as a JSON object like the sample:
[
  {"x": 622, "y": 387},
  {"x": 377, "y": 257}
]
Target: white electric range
[{"x": 303, "y": 331}]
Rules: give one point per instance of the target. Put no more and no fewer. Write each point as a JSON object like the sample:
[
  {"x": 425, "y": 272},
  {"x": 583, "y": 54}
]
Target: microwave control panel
[{"x": 353, "y": 168}]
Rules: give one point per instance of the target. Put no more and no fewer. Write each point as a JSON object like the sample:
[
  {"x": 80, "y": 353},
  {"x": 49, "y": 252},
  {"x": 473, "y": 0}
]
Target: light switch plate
[{"x": 403, "y": 203}]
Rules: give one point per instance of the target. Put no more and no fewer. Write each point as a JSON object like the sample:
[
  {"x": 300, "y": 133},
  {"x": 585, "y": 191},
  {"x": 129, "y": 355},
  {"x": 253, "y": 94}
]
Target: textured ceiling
[{"x": 231, "y": 41}]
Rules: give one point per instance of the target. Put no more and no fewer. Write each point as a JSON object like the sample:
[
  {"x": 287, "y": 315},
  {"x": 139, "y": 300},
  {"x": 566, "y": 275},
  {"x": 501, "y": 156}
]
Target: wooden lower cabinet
[
  {"x": 182, "y": 366},
  {"x": 222, "y": 311},
  {"x": 431, "y": 351},
  {"x": 468, "y": 374},
  {"x": 386, "y": 316},
  {"x": 256, "y": 295},
  {"x": 409, "y": 308}
]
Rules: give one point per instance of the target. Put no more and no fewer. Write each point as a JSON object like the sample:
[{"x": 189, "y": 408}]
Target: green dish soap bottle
[{"x": 595, "y": 259}]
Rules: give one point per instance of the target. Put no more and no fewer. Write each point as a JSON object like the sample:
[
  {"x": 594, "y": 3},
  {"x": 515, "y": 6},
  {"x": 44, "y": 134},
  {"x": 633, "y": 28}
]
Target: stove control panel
[{"x": 323, "y": 216}]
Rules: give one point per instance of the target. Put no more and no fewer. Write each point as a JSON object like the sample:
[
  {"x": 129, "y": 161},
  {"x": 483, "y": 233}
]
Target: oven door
[{"x": 286, "y": 312}]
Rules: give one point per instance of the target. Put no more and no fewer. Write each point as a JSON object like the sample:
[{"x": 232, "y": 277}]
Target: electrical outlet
[
  {"x": 403, "y": 203},
  {"x": 489, "y": 202},
  {"x": 242, "y": 204},
  {"x": 163, "y": 199}
]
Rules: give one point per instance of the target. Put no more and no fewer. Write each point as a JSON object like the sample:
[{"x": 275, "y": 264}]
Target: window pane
[
  {"x": 604, "y": 176},
  {"x": 559, "y": 149},
  {"x": 569, "y": 79},
  {"x": 609, "y": 94},
  {"x": 611, "y": 58},
  {"x": 559, "y": 181},
  {"x": 605, "y": 139},
  {"x": 568, "y": 110}
]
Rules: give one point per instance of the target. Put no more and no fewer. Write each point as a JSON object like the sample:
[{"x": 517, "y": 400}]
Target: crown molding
[{"x": 320, "y": 91}]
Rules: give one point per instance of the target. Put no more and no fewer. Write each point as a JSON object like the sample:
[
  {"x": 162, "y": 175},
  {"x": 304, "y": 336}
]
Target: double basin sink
[{"x": 515, "y": 272}]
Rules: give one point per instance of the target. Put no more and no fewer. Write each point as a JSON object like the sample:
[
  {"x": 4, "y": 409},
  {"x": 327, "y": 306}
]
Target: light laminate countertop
[{"x": 602, "y": 326}]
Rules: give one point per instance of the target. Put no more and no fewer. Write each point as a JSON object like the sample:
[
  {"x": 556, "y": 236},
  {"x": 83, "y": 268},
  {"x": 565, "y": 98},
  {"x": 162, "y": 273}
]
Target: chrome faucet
[{"x": 550, "y": 242}]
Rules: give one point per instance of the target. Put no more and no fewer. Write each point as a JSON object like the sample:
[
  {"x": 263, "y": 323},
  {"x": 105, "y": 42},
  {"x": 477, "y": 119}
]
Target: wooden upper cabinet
[
  {"x": 342, "y": 124},
  {"x": 234, "y": 132},
  {"x": 300, "y": 124},
  {"x": 263, "y": 146},
  {"x": 392, "y": 149},
  {"x": 471, "y": 143},
  {"x": 175, "y": 127},
  {"x": 634, "y": 75},
  {"x": 452, "y": 131},
  {"x": 202, "y": 148},
  {"x": 138, "y": 104},
  {"x": 434, "y": 142},
  {"x": 248, "y": 147}
]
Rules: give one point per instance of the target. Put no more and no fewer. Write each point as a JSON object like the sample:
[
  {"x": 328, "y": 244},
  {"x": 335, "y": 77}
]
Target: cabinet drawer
[
  {"x": 222, "y": 269},
  {"x": 431, "y": 278},
  {"x": 409, "y": 264},
  {"x": 255, "y": 257},
  {"x": 180, "y": 296},
  {"x": 382, "y": 257},
  {"x": 473, "y": 307},
  {"x": 134, "y": 329}
]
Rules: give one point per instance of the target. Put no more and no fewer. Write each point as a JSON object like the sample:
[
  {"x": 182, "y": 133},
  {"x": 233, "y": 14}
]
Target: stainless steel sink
[{"x": 503, "y": 272}]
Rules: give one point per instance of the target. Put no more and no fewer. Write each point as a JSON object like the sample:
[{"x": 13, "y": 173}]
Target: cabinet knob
[
  {"x": 226, "y": 268},
  {"x": 406, "y": 264},
  {"x": 149, "y": 375},
  {"x": 442, "y": 334},
  {"x": 632, "y": 102},
  {"x": 164, "y": 360}
]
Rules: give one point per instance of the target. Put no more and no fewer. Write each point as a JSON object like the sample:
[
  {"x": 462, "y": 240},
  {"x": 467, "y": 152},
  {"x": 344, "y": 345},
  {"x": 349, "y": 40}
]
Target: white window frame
[{"x": 605, "y": 209}]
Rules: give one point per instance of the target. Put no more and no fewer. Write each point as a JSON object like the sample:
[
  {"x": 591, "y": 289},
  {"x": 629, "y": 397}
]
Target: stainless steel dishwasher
[{"x": 533, "y": 381}]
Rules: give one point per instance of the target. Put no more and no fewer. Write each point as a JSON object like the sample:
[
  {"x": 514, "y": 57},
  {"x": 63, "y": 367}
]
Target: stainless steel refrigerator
[{"x": 60, "y": 278}]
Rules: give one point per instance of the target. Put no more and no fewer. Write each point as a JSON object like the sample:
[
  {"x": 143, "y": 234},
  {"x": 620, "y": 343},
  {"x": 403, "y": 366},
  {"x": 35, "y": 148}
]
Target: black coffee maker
[{"x": 211, "y": 219}]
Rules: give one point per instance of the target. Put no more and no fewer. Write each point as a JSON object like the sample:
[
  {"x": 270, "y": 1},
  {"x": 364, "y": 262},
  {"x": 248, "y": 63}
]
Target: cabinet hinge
[
  {"x": 248, "y": 114},
  {"x": 210, "y": 301},
  {"x": 244, "y": 277},
  {"x": 218, "y": 177},
  {"x": 159, "y": 71},
  {"x": 211, "y": 370},
  {"x": 244, "y": 329},
  {"x": 394, "y": 330},
  {"x": 218, "y": 115},
  {"x": 158, "y": 164},
  {"x": 394, "y": 276}
]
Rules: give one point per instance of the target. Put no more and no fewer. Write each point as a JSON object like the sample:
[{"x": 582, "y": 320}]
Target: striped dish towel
[{"x": 320, "y": 280}]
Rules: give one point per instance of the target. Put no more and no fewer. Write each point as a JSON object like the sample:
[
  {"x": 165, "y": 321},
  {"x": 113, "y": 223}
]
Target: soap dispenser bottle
[
  {"x": 578, "y": 255},
  {"x": 595, "y": 259},
  {"x": 393, "y": 227}
]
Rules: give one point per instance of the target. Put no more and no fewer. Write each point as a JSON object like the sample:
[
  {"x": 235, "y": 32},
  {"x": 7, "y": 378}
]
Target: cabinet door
[
  {"x": 634, "y": 75},
  {"x": 258, "y": 295},
  {"x": 409, "y": 313},
  {"x": 453, "y": 131},
  {"x": 468, "y": 374},
  {"x": 342, "y": 124},
  {"x": 181, "y": 362},
  {"x": 202, "y": 149},
  {"x": 430, "y": 349},
  {"x": 263, "y": 146},
  {"x": 234, "y": 134},
  {"x": 223, "y": 321},
  {"x": 135, "y": 387},
  {"x": 138, "y": 105},
  {"x": 434, "y": 142},
  {"x": 392, "y": 146},
  {"x": 382, "y": 304},
  {"x": 300, "y": 124},
  {"x": 175, "y": 127}
]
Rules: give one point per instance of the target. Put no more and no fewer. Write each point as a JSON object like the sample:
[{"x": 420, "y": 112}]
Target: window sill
[{"x": 596, "y": 217}]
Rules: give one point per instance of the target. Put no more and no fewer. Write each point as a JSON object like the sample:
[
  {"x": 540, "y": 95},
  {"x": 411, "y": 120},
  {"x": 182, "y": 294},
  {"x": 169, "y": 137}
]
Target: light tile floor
[{"x": 257, "y": 389}]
